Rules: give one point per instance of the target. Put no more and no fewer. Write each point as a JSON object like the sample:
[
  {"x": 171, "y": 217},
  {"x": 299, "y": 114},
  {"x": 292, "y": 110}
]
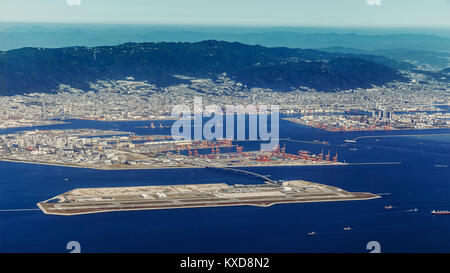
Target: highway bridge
[
  {"x": 233, "y": 170},
  {"x": 5, "y": 147}
]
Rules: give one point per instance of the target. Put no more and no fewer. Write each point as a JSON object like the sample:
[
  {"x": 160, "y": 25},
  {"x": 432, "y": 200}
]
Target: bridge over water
[
  {"x": 5, "y": 147},
  {"x": 233, "y": 170}
]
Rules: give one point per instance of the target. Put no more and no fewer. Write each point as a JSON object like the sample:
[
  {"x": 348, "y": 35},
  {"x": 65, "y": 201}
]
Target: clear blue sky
[{"x": 364, "y": 13}]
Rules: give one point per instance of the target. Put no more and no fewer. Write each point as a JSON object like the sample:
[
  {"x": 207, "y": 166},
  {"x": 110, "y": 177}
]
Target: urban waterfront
[{"x": 419, "y": 182}]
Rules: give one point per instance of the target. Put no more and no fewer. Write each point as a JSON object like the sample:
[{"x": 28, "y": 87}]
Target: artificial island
[{"x": 96, "y": 200}]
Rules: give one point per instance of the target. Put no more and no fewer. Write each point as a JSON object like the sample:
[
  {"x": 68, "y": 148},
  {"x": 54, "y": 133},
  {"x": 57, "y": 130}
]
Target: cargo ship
[{"x": 440, "y": 212}]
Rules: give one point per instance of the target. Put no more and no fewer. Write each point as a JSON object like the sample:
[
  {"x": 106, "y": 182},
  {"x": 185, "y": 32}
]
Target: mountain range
[
  {"x": 23, "y": 35},
  {"x": 44, "y": 69}
]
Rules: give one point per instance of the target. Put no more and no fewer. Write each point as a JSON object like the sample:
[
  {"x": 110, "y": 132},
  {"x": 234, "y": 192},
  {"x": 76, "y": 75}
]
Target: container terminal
[{"x": 100, "y": 149}]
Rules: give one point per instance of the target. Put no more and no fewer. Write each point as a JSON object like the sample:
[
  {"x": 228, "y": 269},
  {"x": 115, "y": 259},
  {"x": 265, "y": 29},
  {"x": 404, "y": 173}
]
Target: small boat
[
  {"x": 440, "y": 212},
  {"x": 311, "y": 233},
  {"x": 347, "y": 228},
  {"x": 66, "y": 179},
  {"x": 388, "y": 207},
  {"x": 415, "y": 209}
]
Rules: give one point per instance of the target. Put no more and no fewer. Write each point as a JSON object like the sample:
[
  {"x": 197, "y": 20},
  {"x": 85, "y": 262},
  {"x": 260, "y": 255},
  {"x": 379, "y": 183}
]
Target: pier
[{"x": 409, "y": 135}]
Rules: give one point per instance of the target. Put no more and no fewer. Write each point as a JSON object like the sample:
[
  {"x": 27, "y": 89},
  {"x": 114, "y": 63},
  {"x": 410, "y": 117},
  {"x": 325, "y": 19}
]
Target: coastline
[
  {"x": 196, "y": 167},
  {"x": 209, "y": 206},
  {"x": 296, "y": 121}
]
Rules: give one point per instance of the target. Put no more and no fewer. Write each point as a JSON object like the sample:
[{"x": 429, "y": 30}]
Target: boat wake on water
[
  {"x": 401, "y": 211},
  {"x": 372, "y": 228}
]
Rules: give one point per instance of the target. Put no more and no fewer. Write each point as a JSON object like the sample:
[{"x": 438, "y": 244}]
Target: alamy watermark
[
  {"x": 74, "y": 246},
  {"x": 374, "y": 246},
  {"x": 190, "y": 125},
  {"x": 73, "y": 2}
]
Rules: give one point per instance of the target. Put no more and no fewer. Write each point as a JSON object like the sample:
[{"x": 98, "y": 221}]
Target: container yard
[{"x": 100, "y": 149}]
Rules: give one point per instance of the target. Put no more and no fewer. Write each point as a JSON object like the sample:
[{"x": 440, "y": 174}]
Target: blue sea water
[{"x": 421, "y": 181}]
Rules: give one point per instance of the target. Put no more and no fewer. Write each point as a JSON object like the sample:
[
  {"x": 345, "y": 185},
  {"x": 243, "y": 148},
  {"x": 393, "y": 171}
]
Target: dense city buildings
[{"x": 415, "y": 104}]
